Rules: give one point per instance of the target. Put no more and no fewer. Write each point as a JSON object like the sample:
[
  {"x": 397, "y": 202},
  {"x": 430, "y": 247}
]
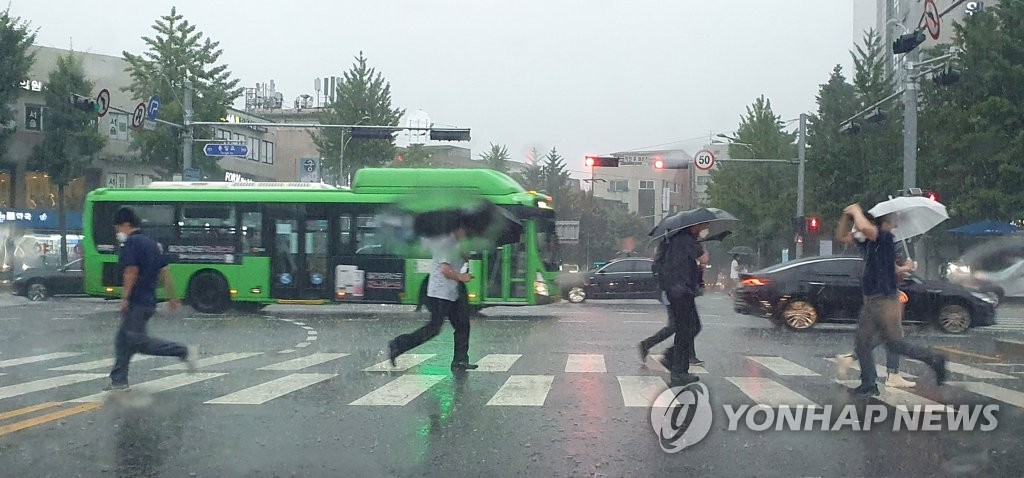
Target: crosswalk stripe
[
  {"x": 641, "y": 390},
  {"x": 497, "y": 362},
  {"x": 400, "y": 391},
  {"x": 994, "y": 392},
  {"x": 214, "y": 360},
  {"x": 972, "y": 372},
  {"x": 47, "y": 383},
  {"x": 782, "y": 366},
  {"x": 37, "y": 358},
  {"x": 523, "y": 390},
  {"x": 695, "y": 369},
  {"x": 153, "y": 386},
  {"x": 880, "y": 369},
  {"x": 766, "y": 391},
  {"x": 403, "y": 363},
  {"x": 304, "y": 362},
  {"x": 96, "y": 364},
  {"x": 893, "y": 396},
  {"x": 586, "y": 363},
  {"x": 268, "y": 391}
]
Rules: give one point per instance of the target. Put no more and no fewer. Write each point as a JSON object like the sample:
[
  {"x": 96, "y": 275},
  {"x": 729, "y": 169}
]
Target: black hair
[
  {"x": 126, "y": 215},
  {"x": 877, "y": 221}
]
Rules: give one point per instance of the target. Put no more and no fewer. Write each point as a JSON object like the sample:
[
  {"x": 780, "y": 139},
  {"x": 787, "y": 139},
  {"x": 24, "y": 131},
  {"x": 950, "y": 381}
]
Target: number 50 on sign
[{"x": 704, "y": 160}]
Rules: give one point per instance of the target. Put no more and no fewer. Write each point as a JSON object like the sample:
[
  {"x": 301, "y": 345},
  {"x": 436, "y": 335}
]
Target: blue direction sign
[{"x": 226, "y": 150}]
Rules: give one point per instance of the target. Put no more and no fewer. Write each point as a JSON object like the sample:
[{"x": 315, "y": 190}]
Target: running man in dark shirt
[{"x": 143, "y": 264}]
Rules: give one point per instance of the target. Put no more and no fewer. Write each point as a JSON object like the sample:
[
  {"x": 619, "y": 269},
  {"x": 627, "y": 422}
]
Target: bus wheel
[{"x": 208, "y": 293}]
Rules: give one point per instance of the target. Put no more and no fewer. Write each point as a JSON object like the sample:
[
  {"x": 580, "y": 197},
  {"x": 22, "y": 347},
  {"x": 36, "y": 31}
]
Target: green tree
[
  {"x": 532, "y": 176},
  {"x": 72, "y": 137},
  {"x": 556, "y": 178},
  {"x": 363, "y": 97},
  {"x": 604, "y": 225},
  {"x": 178, "y": 52},
  {"x": 413, "y": 156},
  {"x": 971, "y": 141},
  {"x": 761, "y": 195},
  {"x": 16, "y": 38},
  {"x": 496, "y": 158}
]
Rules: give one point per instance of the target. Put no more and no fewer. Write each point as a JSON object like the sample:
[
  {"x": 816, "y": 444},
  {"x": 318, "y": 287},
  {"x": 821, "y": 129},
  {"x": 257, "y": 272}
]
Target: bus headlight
[{"x": 540, "y": 287}]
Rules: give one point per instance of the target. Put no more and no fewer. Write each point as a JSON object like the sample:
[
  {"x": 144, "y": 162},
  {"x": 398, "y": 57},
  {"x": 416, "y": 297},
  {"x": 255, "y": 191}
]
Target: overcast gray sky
[{"x": 586, "y": 76}]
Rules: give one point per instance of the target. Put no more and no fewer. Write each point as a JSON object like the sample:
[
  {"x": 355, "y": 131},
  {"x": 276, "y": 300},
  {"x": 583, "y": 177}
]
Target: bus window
[
  {"x": 344, "y": 233},
  {"x": 207, "y": 224},
  {"x": 367, "y": 240},
  {"x": 252, "y": 232}
]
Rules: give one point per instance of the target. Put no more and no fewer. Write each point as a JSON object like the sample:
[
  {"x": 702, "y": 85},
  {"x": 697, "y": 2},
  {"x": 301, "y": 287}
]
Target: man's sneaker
[
  {"x": 940, "y": 370},
  {"x": 843, "y": 364},
  {"x": 643, "y": 352},
  {"x": 191, "y": 358},
  {"x": 116, "y": 387},
  {"x": 393, "y": 352},
  {"x": 865, "y": 391},
  {"x": 464, "y": 366},
  {"x": 683, "y": 380},
  {"x": 696, "y": 361},
  {"x": 897, "y": 380}
]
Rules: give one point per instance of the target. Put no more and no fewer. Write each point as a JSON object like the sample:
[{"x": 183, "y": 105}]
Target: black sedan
[
  {"x": 41, "y": 284},
  {"x": 628, "y": 278},
  {"x": 802, "y": 293}
]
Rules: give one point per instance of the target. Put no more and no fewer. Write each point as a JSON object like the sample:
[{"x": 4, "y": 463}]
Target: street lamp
[{"x": 341, "y": 157}]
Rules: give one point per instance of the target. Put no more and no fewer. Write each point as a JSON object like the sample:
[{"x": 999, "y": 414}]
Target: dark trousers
[
  {"x": 684, "y": 318},
  {"x": 457, "y": 313},
  {"x": 881, "y": 321},
  {"x": 132, "y": 338},
  {"x": 667, "y": 332}
]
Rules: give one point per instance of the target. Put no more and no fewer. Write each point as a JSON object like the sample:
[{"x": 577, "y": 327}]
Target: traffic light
[
  {"x": 363, "y": 132},
  {"x": 947, "y": 77},
  {"x": 601, "y": 161},
  {"x": 659, "y": 163},
  {"x": 906, "y": 43},
  {"x": 875, "y": 116},
  {"x": 813, "y": 225},
  {"x": 849, "y": 129},
  {"x": 84, "y": 103},
  {"x": 449, "y": 135},
  {"x": 932, "y": 195}
]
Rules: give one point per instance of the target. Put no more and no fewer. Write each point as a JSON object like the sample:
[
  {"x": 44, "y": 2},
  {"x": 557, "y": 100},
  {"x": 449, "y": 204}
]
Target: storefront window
[
  {"x": 41, "y": 193},
  {"x": 5, "y": 189}
]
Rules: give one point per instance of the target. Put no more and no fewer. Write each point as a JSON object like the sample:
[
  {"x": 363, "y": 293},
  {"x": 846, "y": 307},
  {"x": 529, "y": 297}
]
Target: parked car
[
  {"x": 995, "y": 266},
  {"x": 41, "y": 284},
  {"x": 800, "y": 294},
  {"x": 628, "y": 278}
]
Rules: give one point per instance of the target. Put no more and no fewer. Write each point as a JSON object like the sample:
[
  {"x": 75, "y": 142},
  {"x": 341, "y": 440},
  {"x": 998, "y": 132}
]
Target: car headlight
[
  {"x": 958, "y": 269},
  {"x": 989, "y": 299}
]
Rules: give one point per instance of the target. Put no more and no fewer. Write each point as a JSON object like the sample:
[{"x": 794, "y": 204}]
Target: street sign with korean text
[
  {"x": 309, "y": 170},
  {"x": 226, "y": 150}
]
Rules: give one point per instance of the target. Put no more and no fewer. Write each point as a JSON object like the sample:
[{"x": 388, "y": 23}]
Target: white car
[{"x": 996, "y": 266}]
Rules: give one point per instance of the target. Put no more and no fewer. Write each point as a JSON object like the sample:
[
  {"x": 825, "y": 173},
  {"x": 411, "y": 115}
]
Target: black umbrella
[
  {"x": 742, "y": 251},
  {"x": 481, "y": 219},
  {"x": 718, "y": 222}
]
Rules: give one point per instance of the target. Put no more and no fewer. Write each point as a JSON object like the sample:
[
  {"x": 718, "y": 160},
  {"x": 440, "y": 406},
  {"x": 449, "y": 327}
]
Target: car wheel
[
  {"x": 37, "y": 291},
  {"x": 799, "y": 315},
  {"x": 576, "y": 295},
  {"x": 208, "y": 293},
  {"x": 954, "y": 319}
]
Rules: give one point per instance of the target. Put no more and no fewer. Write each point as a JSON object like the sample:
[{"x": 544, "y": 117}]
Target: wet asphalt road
[{"x": 287, "y": 392}]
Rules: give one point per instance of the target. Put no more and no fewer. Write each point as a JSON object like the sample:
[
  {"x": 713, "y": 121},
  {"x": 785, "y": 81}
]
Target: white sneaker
[
  {"x": 192, "y": 358},
  {"x": 897, "y": 380},
  {"x": 843, "y": 364}
]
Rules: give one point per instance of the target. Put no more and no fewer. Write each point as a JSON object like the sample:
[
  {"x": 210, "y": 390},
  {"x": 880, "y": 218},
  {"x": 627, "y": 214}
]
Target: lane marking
[
  {"x": 503, "y": 320},
  {"x": 47, "y": 383},
  {"x": 994, "y": 392},
  {"x": 49, "y": 417},
  {"x": 524, "y": 391},
  {"x": 302, "y": 345},
  {"x": 766, "y": 391},
  {"x": 214, "y": 360},
  {"x": 304, "y": 362},
  {"x": 27, "y": 410},
  {"x": 570, "y": 321},
  {"x": 311, "y": 338},
  {"x": 96, "y": 364},
  {"x": 301, "y": 324},
  {"x": 403, "y": 363},
  {"x": 153, "y": 386},
  {"x": 895, "y": 397},
  {"x": 782, "y": 366},
  {"x": 643, "y": 321},
  {"x": 364, "y": 320},
  {"x": 642, "y": 390},
  {"x": 286, "y": 351},
  {"x": 312, "y": 332},
  {"x": 695, "y": 369},
  {"x": 268, "y": 391},
  {"x": 399, "y": 391},
  {"x": 585, "y": 363},
  {"x": 880, "y": 370},
  {"x": 972, "y": 372},
  {"x": 37, "y": 358},
  {"x": 307, "y": 327},
  {"x": 956, "y": 351},
  {"x": 496, "y": 362}
]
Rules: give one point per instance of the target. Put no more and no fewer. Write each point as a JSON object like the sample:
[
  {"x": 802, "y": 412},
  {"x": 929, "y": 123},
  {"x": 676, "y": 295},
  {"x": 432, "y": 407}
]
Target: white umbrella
[{"x": 913, "y": 215}]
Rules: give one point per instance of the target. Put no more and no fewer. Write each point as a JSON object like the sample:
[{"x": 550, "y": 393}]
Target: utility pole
[
  {"x": 801, "y": 156},
  {"x": 910, "y": 122},
  {"x": 187, "y": 142}
]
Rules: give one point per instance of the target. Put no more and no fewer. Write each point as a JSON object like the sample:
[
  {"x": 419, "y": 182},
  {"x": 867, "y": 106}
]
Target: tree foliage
[
  {"x": 604, "y": 226},
  {"x": 496, "y": 158},
  {"x": 363, "y": 97},
  {"x": 556, "y": 178},
  {"x": 16, "y": 38},
  {"x": 178, "y": 51}
]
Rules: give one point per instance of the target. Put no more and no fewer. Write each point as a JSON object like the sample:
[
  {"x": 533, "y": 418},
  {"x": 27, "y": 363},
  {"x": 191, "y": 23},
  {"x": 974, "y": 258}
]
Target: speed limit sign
[{"x": 704, "y": 160}]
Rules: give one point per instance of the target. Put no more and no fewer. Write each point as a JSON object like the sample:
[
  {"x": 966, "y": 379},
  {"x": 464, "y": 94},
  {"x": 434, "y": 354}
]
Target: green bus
[{"x": 245, "y": 245}]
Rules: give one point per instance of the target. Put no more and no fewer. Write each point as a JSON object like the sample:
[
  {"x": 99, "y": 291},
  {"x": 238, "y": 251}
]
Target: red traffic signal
[
  {"x": 813, "y": 225},
  {"x": 931, "y": 195},
  {"x": 601, "y": 161},
  {"x": 659, "y": 163}
]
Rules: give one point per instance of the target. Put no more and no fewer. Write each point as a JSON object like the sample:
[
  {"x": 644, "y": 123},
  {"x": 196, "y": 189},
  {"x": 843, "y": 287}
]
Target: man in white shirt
[
  {"x": 443, "y": 291},
  {"x": 734, "y": 273}
]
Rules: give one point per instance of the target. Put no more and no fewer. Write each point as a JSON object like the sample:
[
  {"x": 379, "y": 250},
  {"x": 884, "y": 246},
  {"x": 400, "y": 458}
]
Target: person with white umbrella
[{"x": 882, "y": 314}]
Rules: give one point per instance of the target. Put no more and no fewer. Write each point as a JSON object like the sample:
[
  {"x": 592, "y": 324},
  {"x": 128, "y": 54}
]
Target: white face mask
[
  {"x": 704, "y": 234},
  {"x": 122, "y": 237}
]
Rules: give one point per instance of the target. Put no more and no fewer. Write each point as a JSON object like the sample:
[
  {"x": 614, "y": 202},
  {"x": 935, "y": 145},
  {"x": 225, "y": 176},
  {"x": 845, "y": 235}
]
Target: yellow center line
[
  {"x": 23, "y": 411},
  {"x": 956, "y": 351},
  {"x": 49, "y": 417}
]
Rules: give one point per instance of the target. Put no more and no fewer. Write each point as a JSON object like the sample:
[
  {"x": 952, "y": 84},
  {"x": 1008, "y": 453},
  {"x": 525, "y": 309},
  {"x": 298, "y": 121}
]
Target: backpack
[{"x": 659, "y": 258}]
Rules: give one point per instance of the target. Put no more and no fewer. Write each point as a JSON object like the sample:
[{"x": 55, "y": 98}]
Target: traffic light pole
[
  {"x": 910, "y": 122},
  {"x": 801, "y": 155},
  {"x": 186, "y": 147}
]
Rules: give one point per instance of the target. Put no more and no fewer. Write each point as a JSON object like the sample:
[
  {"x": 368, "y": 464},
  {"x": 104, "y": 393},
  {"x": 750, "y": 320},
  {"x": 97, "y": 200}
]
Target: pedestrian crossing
[
  {"x": 1005, "y": 324},
  {"x": 257, "y": 379}
]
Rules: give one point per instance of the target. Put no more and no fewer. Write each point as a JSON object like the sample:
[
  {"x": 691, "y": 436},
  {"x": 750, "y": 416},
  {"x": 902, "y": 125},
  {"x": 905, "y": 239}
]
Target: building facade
[{"x": 646, "y": 191}]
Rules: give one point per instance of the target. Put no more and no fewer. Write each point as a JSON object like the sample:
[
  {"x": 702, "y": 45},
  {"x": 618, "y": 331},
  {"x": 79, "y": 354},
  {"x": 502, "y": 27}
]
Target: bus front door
[{"x": 299, "y": 262}]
